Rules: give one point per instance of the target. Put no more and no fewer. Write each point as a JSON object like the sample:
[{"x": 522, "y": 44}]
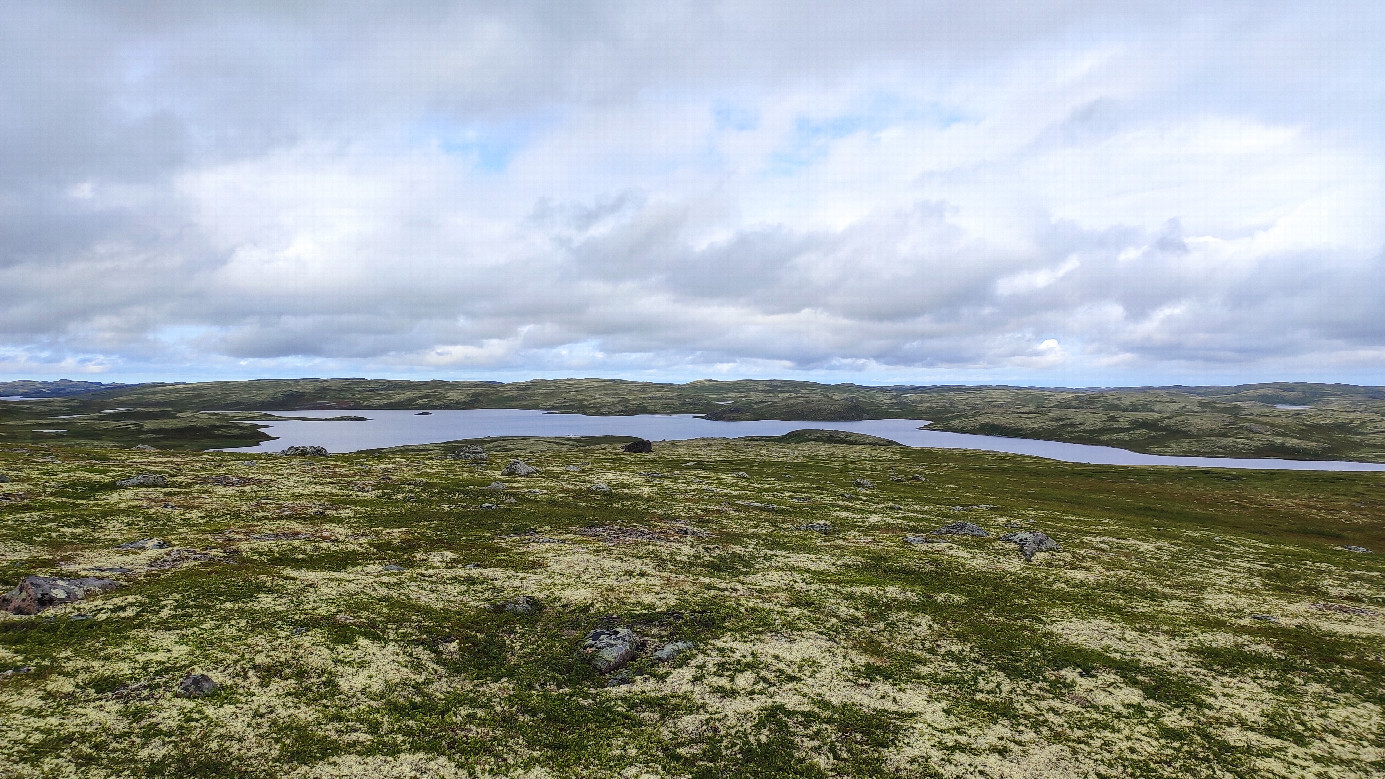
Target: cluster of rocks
[
  {"x": 470, "y": 453},
  {"x": 817, "y": 527},
  {"x": 863, "y": 484},
  {"x": 305, "y": 451},
  {"x": 1030, "y": 542},
  {"x": 963, "y": 529},
  {"x": 197, "y": 686},
  {"x": 611, "y": 649}
]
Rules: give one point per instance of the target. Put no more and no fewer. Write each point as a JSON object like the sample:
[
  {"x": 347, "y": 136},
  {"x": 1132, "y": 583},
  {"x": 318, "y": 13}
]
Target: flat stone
[
  {"x": 36, "y": 593},
  {"x": 963, "y": 529},
  {"x": 1031, "y": 542},
  {"x": 144, "y": 543},
  {"x": 671, "y": 650},
  {"x": 197, "y": 686},
  {"x": 144, "y": 480}
]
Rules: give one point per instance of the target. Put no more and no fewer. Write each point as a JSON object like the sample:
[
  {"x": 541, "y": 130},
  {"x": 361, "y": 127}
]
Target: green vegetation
[
  {"x": 1196, "y": 622},
  {"x": 1342, "y": 421}
]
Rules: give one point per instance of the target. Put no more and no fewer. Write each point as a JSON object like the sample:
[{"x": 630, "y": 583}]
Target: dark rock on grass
[
  {"x": 817, "y": 527},
  {"x": 1031, "y": 542},
  {"x": 144, "y": 480},
  {"x": 305, "y": 451},
  {"x": 922, "y": 540},
  {"x": 519, "y": 468},
  {"x": 13, "y": 496},
  {"x": 524, "y": 604},
  {"x": 36, "y": 593},
  {"x": 5, "y": 479},
  {"x": 600, "y": 487},
  {"x": 144, "y": 543},
  {"x": 197, "y": 686},
  {"x": 392, "y": 568},
  {"x": 638, "y": 446},
  {"x": 864, "y": 484},
  {"x": 964, "y": 529},
  {"x": 1358, "y": 549},
  {"x": 671, "y": 650},
  {"x": 611, "y": 648},
  {"x": 470, "y": 453}
]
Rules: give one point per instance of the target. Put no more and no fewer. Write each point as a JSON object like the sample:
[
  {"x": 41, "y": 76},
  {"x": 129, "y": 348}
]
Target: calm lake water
[{"x": 400, "y": 428}]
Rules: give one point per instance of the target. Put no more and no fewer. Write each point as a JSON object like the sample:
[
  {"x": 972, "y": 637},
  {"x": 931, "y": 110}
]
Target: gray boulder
[
  {"x": 197, "y": 686},
  {"x": 638, "y": 446},
  {"x": 600, "y": 486},
  {"x": 305, "y": 451},
  {"x": 1031, "y": 542},
  {"x": 519, "y": 468},
  {"x": 144, "y": 480},
  {"x": 36, "y": 593},
  {"x": 611, "y": 648},
  {"x": 470, "y": 453},
  {"x": 964, "y": 529}
]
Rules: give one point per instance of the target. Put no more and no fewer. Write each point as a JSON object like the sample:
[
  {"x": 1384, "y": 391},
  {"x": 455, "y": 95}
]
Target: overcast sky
[{"x": 1036, "y": 192}]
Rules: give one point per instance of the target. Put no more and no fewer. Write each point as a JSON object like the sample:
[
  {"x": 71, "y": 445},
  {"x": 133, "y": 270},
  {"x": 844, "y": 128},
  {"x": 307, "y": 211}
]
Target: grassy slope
[{"x": 1131, "y": 653}]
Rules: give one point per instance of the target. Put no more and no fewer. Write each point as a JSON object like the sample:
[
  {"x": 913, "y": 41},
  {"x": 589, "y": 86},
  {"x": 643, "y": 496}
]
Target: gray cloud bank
[{"x": 1051, "y": 192}]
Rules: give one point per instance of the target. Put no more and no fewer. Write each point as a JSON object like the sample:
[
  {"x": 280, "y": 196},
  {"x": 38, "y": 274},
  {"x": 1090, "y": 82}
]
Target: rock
[
  {"x": 144, "y": 448},
  {"x": 496, "y": 486},
  {"x": 471, "y": 565},
  {"x": 144, "y": 543},
  {"x": 177, "y": 557},
  {"x": 1358, "y": 549},
  {"x": 524, "y": 604},
  {"x": 305, "y": 451},
  {"x": 144, "y": 480},
  {"x": 573, "y": 469},
  {"x": 470, "y": 453},
  {"x": 671, "y": 650},
  {"x": 864, "y": 484},
  {"x": 1031, "y": 542},
  {"x": 23, "y": 669},
  {"x": 611, "y": 648},
  {"x": 818, "y": 527},
  {"x": 600, "y": 487},
  {"x": 519, "y": 468},
  {"x": 5, "y": 479},
  {"x": 36, "y": 593},
  {"x": 964, "y": 529},
  {"x": 638, "y": 446},
  {"x": 740, "y": 475},
  {"x": 392, "y": 567},
  {"x": 197, "y": 686},
  {"x": 490, "y": 506}
]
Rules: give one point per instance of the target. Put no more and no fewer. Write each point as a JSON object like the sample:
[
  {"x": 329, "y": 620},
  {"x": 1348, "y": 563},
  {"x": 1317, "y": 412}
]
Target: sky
[{"x": 1055, "y": 193}]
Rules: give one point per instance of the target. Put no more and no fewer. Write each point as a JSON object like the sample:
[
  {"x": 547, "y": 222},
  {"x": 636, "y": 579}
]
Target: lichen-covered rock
[
  {"x": 671, "y": 650},
  {"x": 817, "y": 527},
  {"x": 1031, "y": 542},
  {"x": 638, "y": 446},
  {"x": 864, "y": 484},
  {"x": 144, "y": 543},
  {"x": 611, "y": 648},
  {"x": 197, "y": 686},
  {"x": 144, "y": 480},
  {"x": 964, "y": 529},
  {"x": 36, "y": 593},
  {"x": 519, "y": 468},
  {"x": 305, "y": 451}
]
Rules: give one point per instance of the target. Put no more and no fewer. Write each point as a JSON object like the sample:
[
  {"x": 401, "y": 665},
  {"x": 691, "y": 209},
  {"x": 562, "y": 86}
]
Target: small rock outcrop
[
  {"x": 922, "y": 540},
  {"x": 1358, "y": 549},
  {"x": 964, "y": 529},
  {"x": 611, "y": 648},
  {"x": 519, "y": 468},
  {"x": 864, "y": 484},
  {"x": 36, "y": 593},
  {"x": 600, "y": 486},
  {"x": 474, "y": 453},
  {"x": 638, "y": 446},
  {"x": 524, "y": 604},
  {"x": 144, "y": 480},
  {"x": 144, "y": 543},
  {"x": 1031, "y": 542},
  {"x": 817, "y": 527},
  {"x": 305, "y": 451},
  {"x": 197, "y": 686},
  {"x": 144, "y": 448}
]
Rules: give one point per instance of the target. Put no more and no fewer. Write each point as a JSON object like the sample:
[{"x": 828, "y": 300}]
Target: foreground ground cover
[{"x": 405, "y": 613}]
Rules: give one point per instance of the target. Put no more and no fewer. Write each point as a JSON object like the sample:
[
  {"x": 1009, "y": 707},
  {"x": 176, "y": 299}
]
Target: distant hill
[{"x": 62, "y": 388}]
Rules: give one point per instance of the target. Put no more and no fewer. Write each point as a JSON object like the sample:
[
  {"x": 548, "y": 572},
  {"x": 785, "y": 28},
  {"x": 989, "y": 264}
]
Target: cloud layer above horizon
[{"x": 1043, "y": 192}]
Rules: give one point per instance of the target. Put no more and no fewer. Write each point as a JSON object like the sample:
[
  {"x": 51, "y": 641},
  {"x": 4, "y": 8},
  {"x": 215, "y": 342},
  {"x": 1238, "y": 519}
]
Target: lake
[{"x": 401, "y": 428}]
